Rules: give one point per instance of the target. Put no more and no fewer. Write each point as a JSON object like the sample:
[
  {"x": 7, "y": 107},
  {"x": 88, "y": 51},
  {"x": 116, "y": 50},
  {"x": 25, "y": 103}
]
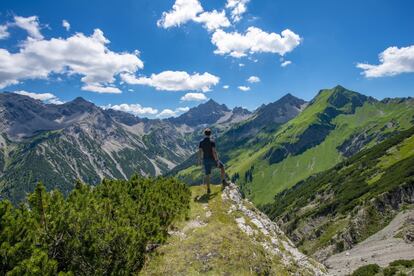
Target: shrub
[
  {"x": 367, "y": 270},
  {"x": 390, "y": 271},
  {"x": 405, "y": 263},
  {"x": 98, "y": 230}
]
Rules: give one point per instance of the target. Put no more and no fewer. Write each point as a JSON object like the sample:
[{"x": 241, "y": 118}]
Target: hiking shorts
[{"x": 209, "y": 164}]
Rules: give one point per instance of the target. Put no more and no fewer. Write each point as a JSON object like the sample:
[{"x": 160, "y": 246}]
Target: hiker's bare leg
[
  {"x": 207, "y": 180},
  {"x": 223, "y": 174}
]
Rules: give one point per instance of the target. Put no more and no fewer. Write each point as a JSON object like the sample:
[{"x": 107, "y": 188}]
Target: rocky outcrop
[{"x": 266, "y": 232}]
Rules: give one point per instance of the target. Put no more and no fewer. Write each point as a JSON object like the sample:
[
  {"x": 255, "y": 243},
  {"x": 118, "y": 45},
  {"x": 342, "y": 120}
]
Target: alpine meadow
[{"x": 194, "y": 137}]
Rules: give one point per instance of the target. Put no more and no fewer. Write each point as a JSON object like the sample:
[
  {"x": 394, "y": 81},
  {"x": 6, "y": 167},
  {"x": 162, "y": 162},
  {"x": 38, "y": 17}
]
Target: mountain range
[
  {"x": 333, "y": 126},
  {"x": 331, "y": 172},
  {"x": 266, "y": 150},
  {"x": 57, "y": 144}
]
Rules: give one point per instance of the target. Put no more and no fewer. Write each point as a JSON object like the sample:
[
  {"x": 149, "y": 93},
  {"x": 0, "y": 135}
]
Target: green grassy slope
[
  {"x": 210, "y": 242},
  {"x": 336, "y": 120},
  {"x": 336, "y": 124},
  {"x": 353, "y": 200},
  {"x": 214, "y": 246}
]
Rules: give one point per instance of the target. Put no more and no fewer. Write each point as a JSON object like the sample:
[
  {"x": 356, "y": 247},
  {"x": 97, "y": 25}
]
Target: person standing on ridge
[{"x": 207, "y": 152}]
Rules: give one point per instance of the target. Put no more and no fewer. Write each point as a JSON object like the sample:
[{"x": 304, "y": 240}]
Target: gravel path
[{"x": 381, "y": 248}]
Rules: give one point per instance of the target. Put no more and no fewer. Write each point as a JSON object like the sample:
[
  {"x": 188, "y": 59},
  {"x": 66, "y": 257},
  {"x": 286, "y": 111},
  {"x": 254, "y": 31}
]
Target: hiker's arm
[
  {"x": 215, "y": 155},
  {"x": 200, "y": 155}
]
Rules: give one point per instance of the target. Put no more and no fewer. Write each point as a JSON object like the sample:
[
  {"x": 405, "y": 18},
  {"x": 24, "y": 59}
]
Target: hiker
[{"x": 207, "y": 152}]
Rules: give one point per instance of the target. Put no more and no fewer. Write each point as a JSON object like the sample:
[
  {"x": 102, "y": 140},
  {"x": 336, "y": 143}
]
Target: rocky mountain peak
[
  {"x": 212, "y": 104},
  {"x": 286, "y": 105},
  {"x": 80, "y": 100},
  {"x": 290, "y": 99},
  {"x": 80, "y": 103},
  {"x": 124, "y": 117},
  {"x": 241, "y": 111},
  {"x": 340, "y": 97},
  {"x": 205, "y": 113}
]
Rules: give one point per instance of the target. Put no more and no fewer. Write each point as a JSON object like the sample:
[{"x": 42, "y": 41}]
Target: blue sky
[{"x": 328, "y": 43}]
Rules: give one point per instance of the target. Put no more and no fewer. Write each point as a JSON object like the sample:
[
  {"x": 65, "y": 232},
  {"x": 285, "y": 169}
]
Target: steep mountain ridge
[
  {"x": 334, "y": 210},
  {"x": 321, "y": 112},
  {"x": 24, "y": 117},
  {"x": 336, "y": 124}
]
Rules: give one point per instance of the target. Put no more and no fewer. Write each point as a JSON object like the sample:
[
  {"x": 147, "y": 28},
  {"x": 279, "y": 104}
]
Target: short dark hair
[{"x": 207, "y": 132}]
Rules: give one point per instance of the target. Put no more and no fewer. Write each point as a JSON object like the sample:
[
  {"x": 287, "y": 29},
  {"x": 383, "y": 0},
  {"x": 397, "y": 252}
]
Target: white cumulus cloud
[
  {"x": 213, "y": 20},
  {"x": 191, "y": 10},
  {"x": 101, "y": 89},
  {"x": 226, "y": 86},
  {"x": 253, "y": 79},
  {"x": 238, "y": 8},
  {"x": 175, "y": 81},
  {"x": 254, "y": 40},
  {"x": 66, "y": 25},
  {"x": 87, "y": 56},
  {"x": 166, "y": 113},
  {"x": 183, "y": 109},
  {"x": 285, "y": 63},
  {"x": 244, "y": 88},
  {"x": 46, "y": 97},
  {"x": 182, "y": 12},
  {"x": 3, "y": 32},
  {"x": 30, "y": 24},
  {"x": 194, "y": 97},
  {"x": 393, "y": 61},
  {"x": 135, "y": 109}
]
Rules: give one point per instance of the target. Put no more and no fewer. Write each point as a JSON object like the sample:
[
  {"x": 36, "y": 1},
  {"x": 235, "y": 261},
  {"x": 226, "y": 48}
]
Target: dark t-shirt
[{"x": 207, "y": 146}]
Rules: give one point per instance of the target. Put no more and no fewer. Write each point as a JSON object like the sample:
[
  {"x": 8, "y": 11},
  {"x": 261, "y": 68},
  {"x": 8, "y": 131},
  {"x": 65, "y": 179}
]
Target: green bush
[
  {"x": 390, "y": 271},
  {"x": 405, "y": 263},
  {"x": 98, "y": 230},
  {"x": 367, "y": 270}
]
